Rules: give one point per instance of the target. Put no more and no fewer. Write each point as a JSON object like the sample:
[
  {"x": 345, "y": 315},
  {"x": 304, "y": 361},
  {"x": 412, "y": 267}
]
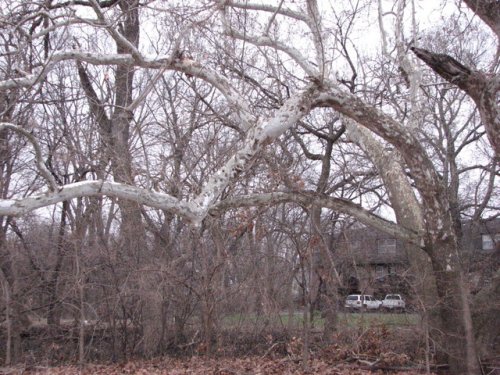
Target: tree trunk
[
  {"x": 330, "y": 315},
  {"x": 440, "y": 240},
  {"x": 457, "y": 339},
  {"x": 151, "y": 319},
  {"x": 8, "y": 321},
  {"x": 487, "y": 318},
  {"x": 408, "y": 214},
  {"x": 54, "y": 309},
  {"x": 18, "y": 318},
  {"x": 115, "y": 133}
]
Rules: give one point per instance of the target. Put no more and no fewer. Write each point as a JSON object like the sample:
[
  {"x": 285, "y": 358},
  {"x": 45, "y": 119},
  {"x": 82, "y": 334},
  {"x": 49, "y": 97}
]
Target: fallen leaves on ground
[{"x": 204, "y": 365}]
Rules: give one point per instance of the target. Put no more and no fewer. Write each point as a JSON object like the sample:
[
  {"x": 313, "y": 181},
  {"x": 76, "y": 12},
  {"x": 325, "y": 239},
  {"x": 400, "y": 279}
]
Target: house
[
  {"x": 481, "y": 251},
  {"x": 374, "y": 262},
  {"x": 370, "y": 258},
  {"x": 481, "y": 238}
]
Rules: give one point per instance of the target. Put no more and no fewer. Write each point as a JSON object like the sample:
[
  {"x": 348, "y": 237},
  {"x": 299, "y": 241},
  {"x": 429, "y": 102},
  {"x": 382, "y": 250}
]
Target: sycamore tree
[{"x": 296, "y": 55}]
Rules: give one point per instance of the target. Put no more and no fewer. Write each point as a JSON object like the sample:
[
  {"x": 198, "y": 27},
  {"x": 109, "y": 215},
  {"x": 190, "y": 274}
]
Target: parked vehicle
[
  {"x": 393, "y": 302},
  {"x": 362, "y": 301}
]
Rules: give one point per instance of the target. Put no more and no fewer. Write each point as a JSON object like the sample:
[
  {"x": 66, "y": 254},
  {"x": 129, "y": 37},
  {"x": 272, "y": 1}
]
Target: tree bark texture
[{"x": 458, "y": 337}]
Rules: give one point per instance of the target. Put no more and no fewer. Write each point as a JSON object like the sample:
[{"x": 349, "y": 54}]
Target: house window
[
  {"x": 489, "y": 241},
  {"x": 355, "y": 244},
  {"x": 387, "y": 246},
  {"x": 380, "y": 271}
]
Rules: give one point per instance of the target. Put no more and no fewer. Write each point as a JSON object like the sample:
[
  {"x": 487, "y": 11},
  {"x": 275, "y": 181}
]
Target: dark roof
[{"x": 481, "y": 226}]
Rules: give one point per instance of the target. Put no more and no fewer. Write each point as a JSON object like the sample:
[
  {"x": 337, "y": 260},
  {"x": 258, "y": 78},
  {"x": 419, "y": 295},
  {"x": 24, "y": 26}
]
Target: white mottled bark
[
  {"x": 187, "y": 66},
  {"x": 258, "y": 137},
  {"x": 407, "y": 210},
  {"x": 21, "y": 206},
  {"x": 412, "y": 152},
  {"x": 401, "y": 194}
]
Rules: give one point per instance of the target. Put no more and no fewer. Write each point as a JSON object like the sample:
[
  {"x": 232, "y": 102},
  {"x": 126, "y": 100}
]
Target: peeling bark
[{"x": 258, "y": 137}]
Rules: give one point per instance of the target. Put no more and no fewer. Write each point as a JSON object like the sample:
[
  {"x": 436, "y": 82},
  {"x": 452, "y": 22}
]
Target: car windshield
[{"x": 352, "y": 298}]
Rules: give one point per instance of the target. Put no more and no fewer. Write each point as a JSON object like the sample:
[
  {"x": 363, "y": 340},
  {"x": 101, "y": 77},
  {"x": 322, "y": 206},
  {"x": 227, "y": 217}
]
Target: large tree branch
[
  {"x": 269, "y": 8},
  {"x": 308, "y": 198},
  {"x": 481, "y": 87},
  {"x": 190, "y": 67},
  {"x": 257, "y": 138},
  {"x": 446, "y": 66},
  {"x": 311, "y": 17},
  {"x": 150, "y": 198},
  {"x": 317, "y": 37},
  {"x": 386, "y": 127},
  {"x": 427, "y": 181},
  {"x": 191, "y": 212},
  {"x": 102, "y": 3},
  {"x": 266, "y": 41},
  {"x": 401, "y": 195},
  {"x": 30, "y": 80}
]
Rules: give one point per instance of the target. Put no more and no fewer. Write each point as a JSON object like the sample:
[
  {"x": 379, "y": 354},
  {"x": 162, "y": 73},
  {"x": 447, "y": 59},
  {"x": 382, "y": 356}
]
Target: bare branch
[
  {"x": 268, "y": 8},
  {"x": 481, "y": 87},
  {"x": 488, "y": 11},
  {"x": 95, "y": 104},
  {"x": 273, "y": 17},
  {"x": 315, "y": 27},
  {"x": 38, "y": 153},
  {"x": 266, "y": 41},
  {"x": 308, "y": 198},
  {"x": 188, "y": 66},
  {"x": 118, "y": 37}
]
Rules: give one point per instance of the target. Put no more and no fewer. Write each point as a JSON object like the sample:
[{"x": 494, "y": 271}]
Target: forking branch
[{"x": 53, "y": 186}]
